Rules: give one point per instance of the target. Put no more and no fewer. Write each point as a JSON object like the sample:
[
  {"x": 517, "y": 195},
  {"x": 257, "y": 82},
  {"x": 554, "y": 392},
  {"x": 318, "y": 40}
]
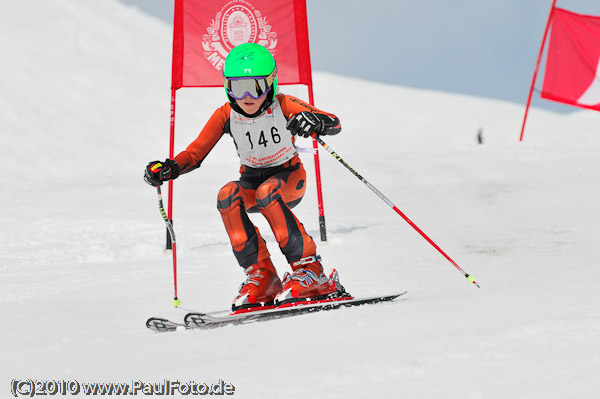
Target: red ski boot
[
  {"x": 260, "y": 288},
  {"x": 306, "y": 282}
]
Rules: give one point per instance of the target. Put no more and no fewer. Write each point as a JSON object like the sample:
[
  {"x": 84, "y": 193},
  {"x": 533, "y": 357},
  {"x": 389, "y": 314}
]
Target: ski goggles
[{"x": 253, "y": 86}]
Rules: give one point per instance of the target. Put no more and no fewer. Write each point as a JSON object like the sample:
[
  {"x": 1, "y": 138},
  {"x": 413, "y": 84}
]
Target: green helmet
[{"x": 250, "y": 60}]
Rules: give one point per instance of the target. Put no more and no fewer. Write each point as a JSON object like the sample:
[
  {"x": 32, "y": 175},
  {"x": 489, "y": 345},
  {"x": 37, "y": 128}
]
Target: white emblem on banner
[
  {"x": 592, "y": 95},
  {"x": 238, "y": 22}
]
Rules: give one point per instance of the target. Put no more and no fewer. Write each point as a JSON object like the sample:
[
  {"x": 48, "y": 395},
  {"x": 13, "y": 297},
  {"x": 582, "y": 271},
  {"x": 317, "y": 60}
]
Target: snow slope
[{"x": 85, "y": 105}]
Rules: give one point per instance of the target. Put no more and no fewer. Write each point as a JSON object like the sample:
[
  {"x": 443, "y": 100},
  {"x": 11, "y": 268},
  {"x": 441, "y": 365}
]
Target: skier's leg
[
  {"x": 248, "y": 245},
  {"x": 262, "y": 283},
  {"x": 274, "y": 198}
]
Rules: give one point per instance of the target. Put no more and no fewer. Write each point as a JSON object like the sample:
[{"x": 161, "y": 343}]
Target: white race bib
[{"x": 262, "y": 141}]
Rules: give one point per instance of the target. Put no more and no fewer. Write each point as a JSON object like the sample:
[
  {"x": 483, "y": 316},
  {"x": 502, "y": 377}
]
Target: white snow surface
[{"x": 85, "y": 105}]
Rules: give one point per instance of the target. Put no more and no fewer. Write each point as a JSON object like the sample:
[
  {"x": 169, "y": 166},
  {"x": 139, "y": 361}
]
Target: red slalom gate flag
[
  {"x": 205, "y": 31},
  {"x": 572, "y": 67}
]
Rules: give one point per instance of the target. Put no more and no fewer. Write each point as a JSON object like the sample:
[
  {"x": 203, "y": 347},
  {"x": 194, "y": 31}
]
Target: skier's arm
[
  {"x": 195, "y": 153},
  {"x": 304, "y": 119}
]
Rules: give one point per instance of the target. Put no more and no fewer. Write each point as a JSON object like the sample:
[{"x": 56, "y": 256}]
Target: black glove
[
  {"x": 305, "y": 123},
  {"x": 157, "y": 172}
]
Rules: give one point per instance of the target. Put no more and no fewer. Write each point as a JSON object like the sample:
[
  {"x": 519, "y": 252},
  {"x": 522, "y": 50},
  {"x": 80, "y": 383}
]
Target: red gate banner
[
  {"x": 572, "y": 67},
  {"x": 204, "y": 32}
]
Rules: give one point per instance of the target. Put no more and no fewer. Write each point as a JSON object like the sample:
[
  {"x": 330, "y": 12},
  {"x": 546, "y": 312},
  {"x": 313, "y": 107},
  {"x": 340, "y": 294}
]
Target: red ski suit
[{"x": 272, "y": 179}]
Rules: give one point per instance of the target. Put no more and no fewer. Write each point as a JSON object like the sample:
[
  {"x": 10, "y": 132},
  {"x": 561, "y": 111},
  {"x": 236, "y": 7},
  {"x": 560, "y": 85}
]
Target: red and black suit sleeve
[
  {"x": 197, "y": 151},
  {"x": 291, "y": 105}
]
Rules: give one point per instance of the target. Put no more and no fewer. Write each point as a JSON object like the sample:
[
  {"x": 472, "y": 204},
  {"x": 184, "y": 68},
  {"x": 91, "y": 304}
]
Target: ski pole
[
  {"x": 471, "y": 279},
  {"x": 176, "y": 302}
]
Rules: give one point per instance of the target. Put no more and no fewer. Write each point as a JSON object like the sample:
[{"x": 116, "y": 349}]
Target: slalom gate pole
[
  {"x": 322, "y": 226},
  {"x": 471, "y": 279},
  {"x": 537, "y": 67},
  {"x": 176, "y": 302}
]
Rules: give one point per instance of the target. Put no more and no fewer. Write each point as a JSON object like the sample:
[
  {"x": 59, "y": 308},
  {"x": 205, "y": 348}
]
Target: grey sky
[{"x": 482, "y": 47}]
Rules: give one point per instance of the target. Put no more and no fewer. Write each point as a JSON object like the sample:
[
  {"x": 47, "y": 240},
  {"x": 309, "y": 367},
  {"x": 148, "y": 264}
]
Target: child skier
[{"x": 273, "y": 180}]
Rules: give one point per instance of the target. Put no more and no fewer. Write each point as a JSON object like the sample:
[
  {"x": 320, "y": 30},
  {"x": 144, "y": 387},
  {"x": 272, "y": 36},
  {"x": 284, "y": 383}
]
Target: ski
[
  {"x": 160, "y": 324},
  {"x": 196, "y": 320}
]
